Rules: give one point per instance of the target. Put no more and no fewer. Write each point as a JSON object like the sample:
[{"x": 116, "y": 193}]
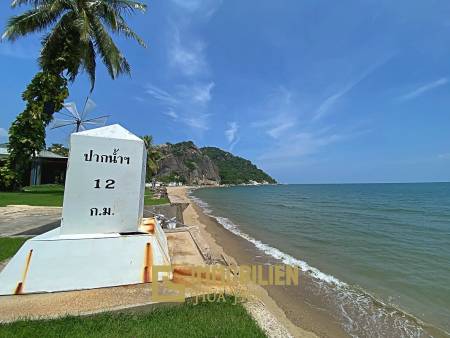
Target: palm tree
[
  {"x": 153, "y": 156},
  {"x": 148, "y": 141},
  {"x": 78, "y": 31}
]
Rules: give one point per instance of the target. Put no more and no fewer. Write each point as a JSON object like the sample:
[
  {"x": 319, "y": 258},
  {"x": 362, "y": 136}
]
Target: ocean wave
[
  {"x": 360, "y": 313},
  {"x": 277, "y": 254},
  {"x": 267, "y": 249}
]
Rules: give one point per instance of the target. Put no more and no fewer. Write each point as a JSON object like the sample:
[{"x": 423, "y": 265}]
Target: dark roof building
[{"x": 46, "y": 168}]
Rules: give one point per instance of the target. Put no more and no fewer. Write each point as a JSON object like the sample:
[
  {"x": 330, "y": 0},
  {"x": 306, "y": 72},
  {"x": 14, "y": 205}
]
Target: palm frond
[
  {"x": 80, "y": 30},
  {"x": 129, "y": 33},
  {"x": 89, "y": 62},
  {"x": 112, "y": 57},
  {"x": 17, "y": 3},
  {"x": 31, "y": 21},
  {"x": 126, "y": 5},
  {"x": 83, "y": 27},
  {"x": 56, "y": 43},
  {"x": 108, "y": 14},
  {"x": 117, "y": 23}
]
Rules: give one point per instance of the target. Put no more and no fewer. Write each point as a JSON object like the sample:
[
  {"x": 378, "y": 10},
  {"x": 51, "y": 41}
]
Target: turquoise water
[{"x": 388, "y": 240}]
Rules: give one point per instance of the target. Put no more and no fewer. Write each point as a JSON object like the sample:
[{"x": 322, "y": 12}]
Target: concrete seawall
[{"x": 168, "y": 210}]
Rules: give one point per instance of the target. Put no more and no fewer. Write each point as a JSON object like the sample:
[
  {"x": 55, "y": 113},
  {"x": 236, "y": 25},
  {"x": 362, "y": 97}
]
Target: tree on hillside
[
  {"x": 59, "y": 149},
  {"x": 153, "y": 157},
  {"x": 77, "y": 31}
]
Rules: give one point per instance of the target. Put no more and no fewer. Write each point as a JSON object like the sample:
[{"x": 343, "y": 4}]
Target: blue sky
[{"x": 311, "y": 91}]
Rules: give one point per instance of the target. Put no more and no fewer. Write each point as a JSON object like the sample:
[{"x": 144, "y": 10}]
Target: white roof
[
  {"x": 114, "y": 131},
  {"x": 3, "y": 152},
  {"x": 42, "y": 154},
  {"x": 49, "y": 154}
]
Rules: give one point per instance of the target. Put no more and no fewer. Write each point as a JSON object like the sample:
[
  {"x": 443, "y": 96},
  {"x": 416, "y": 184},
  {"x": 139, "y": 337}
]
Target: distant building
[
  {"x": 3, "y": 152},
  {"x": 46, "y": 168}
]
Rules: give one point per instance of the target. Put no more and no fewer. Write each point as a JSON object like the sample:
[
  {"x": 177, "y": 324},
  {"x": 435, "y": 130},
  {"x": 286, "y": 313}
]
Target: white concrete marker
[
  {"x": 98, "y": 244},
  {"x": 105, "y": 182}
]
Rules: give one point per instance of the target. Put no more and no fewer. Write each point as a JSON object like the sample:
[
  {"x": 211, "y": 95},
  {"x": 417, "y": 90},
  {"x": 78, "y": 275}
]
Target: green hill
[{"x": 235, "y": 169}]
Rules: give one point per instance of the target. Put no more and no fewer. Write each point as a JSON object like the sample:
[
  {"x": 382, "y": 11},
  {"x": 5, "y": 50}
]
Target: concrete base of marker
[{"x": 53, "y": 262}]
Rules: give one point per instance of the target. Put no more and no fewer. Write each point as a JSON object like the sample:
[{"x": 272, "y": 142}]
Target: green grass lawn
[
  {"x": 51, "y": 195},
  {"x": 45, "y": 188},
  {"x": 9, "y": 246},
  {"x": 219, "y": 319},
  {"x": 35, "y": 199},
  {"x": 149, "y": 200}
]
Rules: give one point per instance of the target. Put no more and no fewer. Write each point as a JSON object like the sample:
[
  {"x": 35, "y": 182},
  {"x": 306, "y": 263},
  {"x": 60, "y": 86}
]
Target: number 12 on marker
[{"x": 109, "y": 184}]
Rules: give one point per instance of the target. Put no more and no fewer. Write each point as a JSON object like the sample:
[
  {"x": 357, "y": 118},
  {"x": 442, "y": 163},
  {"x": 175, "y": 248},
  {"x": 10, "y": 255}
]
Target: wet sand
[{"x": 298, "y": 307}]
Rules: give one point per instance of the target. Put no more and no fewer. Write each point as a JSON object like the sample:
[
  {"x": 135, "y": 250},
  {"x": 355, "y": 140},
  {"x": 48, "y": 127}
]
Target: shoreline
[
  {"x": 289, "y": 304},
  {"x": 321, "y": 307}
]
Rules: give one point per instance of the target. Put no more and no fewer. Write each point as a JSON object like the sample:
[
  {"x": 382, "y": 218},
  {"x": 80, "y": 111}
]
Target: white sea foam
[
  {"x": 351, "y": 303},
  {"x": 267, "y": 249},
  {"x": 277, "y": 254}
]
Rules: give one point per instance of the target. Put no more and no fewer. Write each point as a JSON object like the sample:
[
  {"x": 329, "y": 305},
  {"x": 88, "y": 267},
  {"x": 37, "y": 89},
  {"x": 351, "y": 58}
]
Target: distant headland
[{"x": 185, "y": 163}]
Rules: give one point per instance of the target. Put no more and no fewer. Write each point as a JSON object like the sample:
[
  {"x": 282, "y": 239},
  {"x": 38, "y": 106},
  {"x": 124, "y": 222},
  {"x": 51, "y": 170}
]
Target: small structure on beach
[
  {"x": 46, "y": 167},
  {"x": 103, "y": 239}
]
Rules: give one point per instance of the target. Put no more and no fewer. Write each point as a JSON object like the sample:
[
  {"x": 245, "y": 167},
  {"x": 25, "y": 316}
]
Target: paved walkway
[{"x": 28, "y": 220}]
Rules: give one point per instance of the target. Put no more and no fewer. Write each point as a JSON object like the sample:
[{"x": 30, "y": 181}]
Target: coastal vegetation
[
  {"x": 153, "y": 156},
  {"x": 235, "y": 169},
  {"x": 76, "y": 33},
  {"x": 149, "y": 198},
  {"x": 59, "y": 149},
  {"x": 216, "y": 319},
  {"x": 185, "y": 163}
]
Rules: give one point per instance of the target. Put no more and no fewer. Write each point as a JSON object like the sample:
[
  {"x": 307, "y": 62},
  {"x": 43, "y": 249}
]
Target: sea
[{"x": 381, "y": 250}]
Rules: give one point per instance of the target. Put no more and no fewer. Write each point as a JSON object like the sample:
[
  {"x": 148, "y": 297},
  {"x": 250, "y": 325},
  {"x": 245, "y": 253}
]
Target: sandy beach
[{"x": 293, "y": 306}]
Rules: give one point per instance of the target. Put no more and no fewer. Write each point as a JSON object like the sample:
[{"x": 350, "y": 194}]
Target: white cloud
[
  {"x": 232, "y": 135},
  {"x": 205, "y": 8},
  {"x": 187, "y": 49},
  {"x": 278, "y": 130},
  {"x": 293, "y": 136},
  {"x": 232, "y": 145},
  {"x": 298, "y": 145},
  {"x": 198, "y": 122},
  {"x": 326, "y": 106},
  {"x": 3, "y": 132},
  {"x": 160, "y": 95},
  {"x": 231, "y": 132},
  {"x": 188, "y": 100},
  {"x": 188, "y": 104},
  {"x": 187, "y": 56},
  {"x": 302, "y": 144},
  {"x": 197, "y": 93},
  {"x": 330, "y": 101},
  {"x": 282, "y": 114},
  {"x": 171, "y": 114},
  {"x": 444, "y": 156},
  {"x": 203, "y": 94},
  {"x": 139, "y": 99},
  {"x": 423, "y": 89},
  {"x": 190, "y": 5}
]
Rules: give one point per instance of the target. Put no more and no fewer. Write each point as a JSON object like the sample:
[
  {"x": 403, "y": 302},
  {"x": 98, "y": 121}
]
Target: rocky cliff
[
  {"x": 184, "y": 162},
  {"x": 234, "y": 169}
]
